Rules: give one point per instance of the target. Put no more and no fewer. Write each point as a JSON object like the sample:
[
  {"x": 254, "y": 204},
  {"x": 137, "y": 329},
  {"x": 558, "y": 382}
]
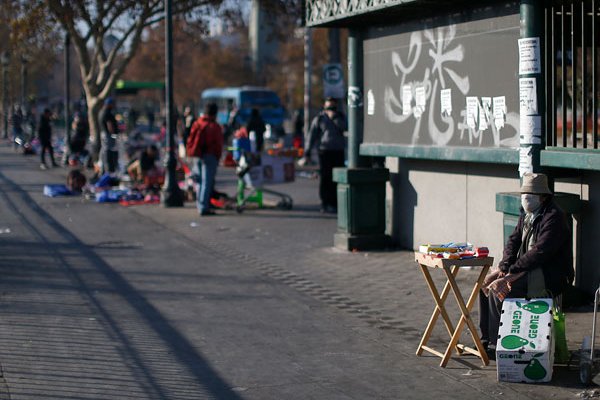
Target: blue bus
[{"x": 246, "y": 98}]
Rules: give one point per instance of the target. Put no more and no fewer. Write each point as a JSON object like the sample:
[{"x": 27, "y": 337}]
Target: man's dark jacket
[{"x": 552, "y": 250}]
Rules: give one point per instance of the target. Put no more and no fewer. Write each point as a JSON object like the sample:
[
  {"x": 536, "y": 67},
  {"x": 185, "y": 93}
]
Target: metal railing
[{"x": 571, "y": 60}]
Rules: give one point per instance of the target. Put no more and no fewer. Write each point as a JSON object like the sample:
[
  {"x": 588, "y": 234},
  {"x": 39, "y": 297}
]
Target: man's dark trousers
[{"x": 328, "y": 160}]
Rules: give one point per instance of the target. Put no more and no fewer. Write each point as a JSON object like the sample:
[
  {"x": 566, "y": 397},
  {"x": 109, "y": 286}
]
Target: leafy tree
[
  {"x": 199, "y": 61},
  {"x": 106, "y": 35},
  {"x": 26, "y": 34}
]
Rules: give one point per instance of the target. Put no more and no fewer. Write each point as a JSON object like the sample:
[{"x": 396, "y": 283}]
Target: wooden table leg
[
  {"x": 439, "y": 308},
  {"x": 465, "y": 316}
]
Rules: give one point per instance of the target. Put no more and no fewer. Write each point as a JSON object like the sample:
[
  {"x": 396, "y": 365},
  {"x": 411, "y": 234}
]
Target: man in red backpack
[{"x": 204, "y": 146}]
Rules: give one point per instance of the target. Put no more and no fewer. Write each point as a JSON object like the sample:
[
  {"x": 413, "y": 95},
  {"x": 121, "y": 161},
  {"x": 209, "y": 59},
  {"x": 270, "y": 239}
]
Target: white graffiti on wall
[{"x": 445, "y": 54}]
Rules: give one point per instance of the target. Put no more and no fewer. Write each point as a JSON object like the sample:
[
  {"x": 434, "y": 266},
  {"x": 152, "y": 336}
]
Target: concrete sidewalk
[{"x": 380, "y": 297}]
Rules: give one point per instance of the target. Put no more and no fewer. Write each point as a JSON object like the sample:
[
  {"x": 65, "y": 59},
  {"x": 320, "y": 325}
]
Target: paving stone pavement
[{"x": 107, "y": 315}]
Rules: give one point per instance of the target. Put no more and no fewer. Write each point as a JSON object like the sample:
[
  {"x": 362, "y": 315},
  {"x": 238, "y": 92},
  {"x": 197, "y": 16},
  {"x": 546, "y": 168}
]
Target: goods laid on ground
[
  {"x": 254, "y": 170},
  {"x": 55, "y": 190},
  {"x": 525, "y": 349}
]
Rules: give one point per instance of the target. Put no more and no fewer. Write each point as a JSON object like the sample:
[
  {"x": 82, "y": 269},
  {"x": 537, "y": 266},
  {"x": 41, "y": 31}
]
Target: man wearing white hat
[{"x": 537, "y": 260}]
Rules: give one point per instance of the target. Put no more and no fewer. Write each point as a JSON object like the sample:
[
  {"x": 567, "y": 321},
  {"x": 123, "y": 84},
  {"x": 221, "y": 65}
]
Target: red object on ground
[
  {"x": 229, "y": 161},
  {"x": 219, "y": 203}
]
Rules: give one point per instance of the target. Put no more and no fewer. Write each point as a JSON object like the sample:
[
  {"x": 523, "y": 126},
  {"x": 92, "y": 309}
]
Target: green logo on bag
[
  {"x": 535, "y": 307},
  {"x": 512, "y": 342},
  {"x": 535, "y": 370}
]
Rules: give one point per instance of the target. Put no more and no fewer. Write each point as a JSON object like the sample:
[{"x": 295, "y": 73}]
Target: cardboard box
[
  {"x": 525, "y": 348},
  {"x": 277, "y": 169}
]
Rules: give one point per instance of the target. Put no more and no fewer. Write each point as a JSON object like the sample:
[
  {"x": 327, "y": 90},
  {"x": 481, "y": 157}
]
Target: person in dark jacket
[
  {"x": 537, "y": 260},
  {"x": 205, "y": 145},
  {"x": 327, "y": 132},
  {"x": 110, "y": 131},
  {"x": 45, "y": 136},
  {"x": 257, "y": 125}
]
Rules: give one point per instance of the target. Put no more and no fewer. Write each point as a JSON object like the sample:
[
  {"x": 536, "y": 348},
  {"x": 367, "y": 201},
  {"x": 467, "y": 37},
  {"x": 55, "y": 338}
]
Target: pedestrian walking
[
  {"x": 45, "y": 136},
  {"x": 257, "y": 125},
  {"x": 16, "y": 120},
  {"x": 188, "y": 120},
  {"x": 205, "y": 145},
  {"x": 150, "y": 118},
  {"x": 109, "y": 154},
  {"x": 327, "y": 135},
  {"x": 298, "y": 140},
  {"x": 537, "y": 260}
]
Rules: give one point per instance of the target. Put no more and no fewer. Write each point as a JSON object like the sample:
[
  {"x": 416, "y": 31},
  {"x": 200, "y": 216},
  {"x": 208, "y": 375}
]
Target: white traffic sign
[{"x": 333, "y": 81}]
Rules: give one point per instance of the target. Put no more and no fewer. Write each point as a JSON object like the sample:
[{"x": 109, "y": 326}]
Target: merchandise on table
[
  {"x": 525, "y": 349},
  {"x": 454, "y": 251}
]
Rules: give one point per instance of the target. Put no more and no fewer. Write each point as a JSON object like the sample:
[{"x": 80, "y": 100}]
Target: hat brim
[{"x": 534, "y": 190}]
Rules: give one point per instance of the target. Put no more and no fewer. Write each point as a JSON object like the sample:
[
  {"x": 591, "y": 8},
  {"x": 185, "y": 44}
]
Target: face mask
[{"x": 530, "y": 202}]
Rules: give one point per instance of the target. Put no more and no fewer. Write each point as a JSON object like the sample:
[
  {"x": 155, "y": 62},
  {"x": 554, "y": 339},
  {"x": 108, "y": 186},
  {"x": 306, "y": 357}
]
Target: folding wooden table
[{"x": 451, "y": 268}]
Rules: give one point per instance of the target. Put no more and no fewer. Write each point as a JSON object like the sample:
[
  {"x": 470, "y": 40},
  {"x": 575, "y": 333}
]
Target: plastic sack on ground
[
  {"x": 107, "y": 180},
  {"x": 110, "y": 196},
  {"x": 561, "y": 351},
  {"x": 56, "y": 190}
]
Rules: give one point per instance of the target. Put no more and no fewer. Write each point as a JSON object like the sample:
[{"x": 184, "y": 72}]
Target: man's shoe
[
  {"x": 207, "y": 213},
  {"x": 43, "y": 166},
  {"x": 491, "y": 353},
  {"x": 55, "y": 164},
  {"x": 328, "y": 210}
]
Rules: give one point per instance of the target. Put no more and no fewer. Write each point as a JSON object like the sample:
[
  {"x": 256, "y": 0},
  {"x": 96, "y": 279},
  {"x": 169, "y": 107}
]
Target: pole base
[
  {"x": 346, "y": 241},
  {"x": 173, "y": 197}
]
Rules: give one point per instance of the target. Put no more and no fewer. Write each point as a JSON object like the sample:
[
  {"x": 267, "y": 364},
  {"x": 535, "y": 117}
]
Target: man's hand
[{"x": 304, "y": 161}]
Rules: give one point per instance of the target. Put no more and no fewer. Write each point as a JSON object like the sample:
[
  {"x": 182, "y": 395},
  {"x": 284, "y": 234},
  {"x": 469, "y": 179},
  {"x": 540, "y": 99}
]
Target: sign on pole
[{"x": 333, "y": 81}]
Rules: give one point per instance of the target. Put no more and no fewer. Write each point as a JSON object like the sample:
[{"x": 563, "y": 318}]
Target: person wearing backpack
[
  {"x": 204, "y": 146},
  {"x": 327, "y": 132}
]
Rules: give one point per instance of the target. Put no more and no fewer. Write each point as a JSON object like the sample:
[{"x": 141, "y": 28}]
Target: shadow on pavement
[{"x": 84, "y": 282}]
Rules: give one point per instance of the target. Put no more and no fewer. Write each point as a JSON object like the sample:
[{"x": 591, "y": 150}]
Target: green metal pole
[
  {"x": 355, "y": 98},
  {"x": 172, "y": 196},
  {"x": 67, "y": 97},
  {"x": 531, "y": 69}
]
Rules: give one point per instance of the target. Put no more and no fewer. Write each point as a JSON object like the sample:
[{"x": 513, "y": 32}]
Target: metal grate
[
  {"x": 571, "y": 59},
  {"x": 322, "y": 11}
]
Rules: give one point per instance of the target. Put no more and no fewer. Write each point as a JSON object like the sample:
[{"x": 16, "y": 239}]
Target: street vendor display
[{"x": 450, "y": 258}]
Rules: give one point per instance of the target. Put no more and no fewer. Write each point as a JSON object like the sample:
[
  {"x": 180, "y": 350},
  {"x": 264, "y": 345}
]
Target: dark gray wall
[{"x": 472, "y": 52}]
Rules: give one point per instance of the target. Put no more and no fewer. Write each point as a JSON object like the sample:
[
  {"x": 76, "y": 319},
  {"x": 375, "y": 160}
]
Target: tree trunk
[{"x": 94, "y": 107}]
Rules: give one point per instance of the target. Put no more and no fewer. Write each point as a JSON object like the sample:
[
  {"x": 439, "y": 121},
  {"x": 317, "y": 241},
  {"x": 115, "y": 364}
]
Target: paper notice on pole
[
  {"x": 420, "y": 101},
  {"x": 525, "y": 160},
  {"x": 528, "y": 96},
  {"x": 529, "y": 56},
  {"x": 406, "y": 100},
  {"x": 485, "y": 112},
  {"x": 446, "y": 102},
  {"x": 472, "y": 111},
  {"x": 530, "y": 129},
  {"x": 370, "y": 102},
  {"x": 499, "y": 104}
]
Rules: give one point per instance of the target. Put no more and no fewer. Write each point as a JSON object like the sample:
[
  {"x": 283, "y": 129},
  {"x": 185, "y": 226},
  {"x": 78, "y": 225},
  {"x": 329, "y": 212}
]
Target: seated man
[
  {"x": 145, "y": 165},
  {"x": 537, "y": 260}
]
